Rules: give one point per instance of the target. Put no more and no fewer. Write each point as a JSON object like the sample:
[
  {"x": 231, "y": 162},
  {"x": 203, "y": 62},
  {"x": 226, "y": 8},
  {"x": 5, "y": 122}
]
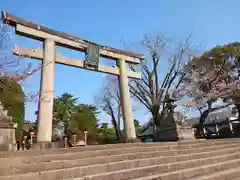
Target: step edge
[
  {"x": 184, "y": 170},
  {"x": 124, "y": 170},
  {"x": 128, "y": 148},
  {"x": 151, "y": 152}
]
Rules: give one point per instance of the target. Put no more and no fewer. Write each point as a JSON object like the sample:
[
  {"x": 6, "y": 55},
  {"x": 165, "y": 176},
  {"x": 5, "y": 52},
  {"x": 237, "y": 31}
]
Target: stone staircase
[{"x": 193, "y": 160}]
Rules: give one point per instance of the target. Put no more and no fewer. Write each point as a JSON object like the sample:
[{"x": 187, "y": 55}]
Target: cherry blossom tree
[
  {"x": 13, "y": 67},
  {"x": 212, "y": 76}
]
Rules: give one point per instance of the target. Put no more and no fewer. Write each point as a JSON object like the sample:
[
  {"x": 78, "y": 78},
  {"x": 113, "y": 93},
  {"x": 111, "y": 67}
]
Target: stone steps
[
  {"x": 229, "y": 174},
  {"x": 168, "y": 169},
  {"x": 165, "y": 155},
  {"x": 134, "y": 161},
  {"x": 19, "y": 160},
  {"x": 34, "y": 152},
  {"x": 191, "y": 172},
  {"x": 8, "y": 154},
  {"x": 107, "y": 163}
]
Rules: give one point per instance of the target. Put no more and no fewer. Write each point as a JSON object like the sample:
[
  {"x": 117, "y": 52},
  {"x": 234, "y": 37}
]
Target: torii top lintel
[{"x": 14, "y": 21}]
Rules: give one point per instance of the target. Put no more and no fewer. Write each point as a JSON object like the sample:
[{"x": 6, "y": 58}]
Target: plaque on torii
[{"x": 49, "y": 57}]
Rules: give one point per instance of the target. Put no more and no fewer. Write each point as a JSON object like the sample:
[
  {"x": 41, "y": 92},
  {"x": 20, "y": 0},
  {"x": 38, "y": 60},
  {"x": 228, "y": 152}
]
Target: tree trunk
[
  {"x": 202, "y": 119},
  {"x": 116, "y": 128},
  {"x": 115, "y": 125},
  {"x": 156, "y": 121},
  {"x": 238, "y": 108},
  {"x": 119, "y": 119}
]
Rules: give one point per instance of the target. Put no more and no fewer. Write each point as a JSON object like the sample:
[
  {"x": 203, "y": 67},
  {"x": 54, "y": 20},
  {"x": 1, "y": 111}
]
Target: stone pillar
[
  {"x": 230, "y": 126},
  {"x": 129, "y": 127},
  {"x": 216, "y": 128},
  {"x": 45, "y": 107},
  {"x": 204, "y": 130}
]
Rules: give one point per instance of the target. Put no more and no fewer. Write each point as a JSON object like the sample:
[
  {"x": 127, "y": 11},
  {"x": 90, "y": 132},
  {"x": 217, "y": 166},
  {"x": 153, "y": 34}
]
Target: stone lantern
[{"x": 7, "y": 131}]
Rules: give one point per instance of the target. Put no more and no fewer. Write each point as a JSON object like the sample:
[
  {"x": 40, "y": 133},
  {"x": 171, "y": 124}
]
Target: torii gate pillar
[
  {"x": 45, "y": 107},
  {"x": 125, "y": 98}
]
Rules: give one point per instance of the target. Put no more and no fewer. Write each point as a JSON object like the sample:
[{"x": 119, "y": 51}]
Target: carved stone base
[
  {"x": 178, "y": 133},
  {"x": 166, "y": 134},
  {"x": 7, "y": 132},
  {"x": 185, "y": 133},
  {"x": 7, "y": 139}
]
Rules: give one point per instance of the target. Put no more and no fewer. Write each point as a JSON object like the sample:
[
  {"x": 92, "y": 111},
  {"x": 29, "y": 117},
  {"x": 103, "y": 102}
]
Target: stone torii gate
[{"x": 49, "y": 57}]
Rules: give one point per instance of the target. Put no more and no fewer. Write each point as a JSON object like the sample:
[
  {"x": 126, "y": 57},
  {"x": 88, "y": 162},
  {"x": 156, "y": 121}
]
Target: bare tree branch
[
  {"x": 150, "y": 91},
  {"x": 109, "y": 102}
]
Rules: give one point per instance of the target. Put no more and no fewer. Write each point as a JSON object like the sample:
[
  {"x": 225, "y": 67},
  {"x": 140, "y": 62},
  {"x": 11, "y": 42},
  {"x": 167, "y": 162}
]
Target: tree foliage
[
  {"x": 12, "y": 98},
  {"x": 107, "y": 135},
  {"x": 212, "y": 77},
  {"x": 11, "y": 74},
  {"x": 83, "y": 119},
  {"x": 75, "y": 117},
  {"x": 109, "y": 102}
]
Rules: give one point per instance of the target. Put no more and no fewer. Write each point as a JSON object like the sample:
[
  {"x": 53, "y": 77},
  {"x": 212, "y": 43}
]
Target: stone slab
[
  {"x": 171, "y": 171},
  {"x": 192, "y": 172},
  {"x": 229, "y": 174},
  {"x": 105, "y": 147},
  {"x": 144, "y": 158},
  {"x": 154, "y": 160},
  {"x": 108, "y": 152}
]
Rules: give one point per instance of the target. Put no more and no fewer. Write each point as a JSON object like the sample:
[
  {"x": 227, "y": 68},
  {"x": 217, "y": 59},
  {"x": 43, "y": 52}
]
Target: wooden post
[
  {"x": 31, "y": 139},
  {"x": 204, "y": 130},
  {"x": 217, "y": 129},
  {"x": 231, "y": 127},
  {"x": 85, "y": 137},
  {"x": 74, "y": 140},
  {"x": 25, "y": 142},
  {"x": 65, "y": 142}
]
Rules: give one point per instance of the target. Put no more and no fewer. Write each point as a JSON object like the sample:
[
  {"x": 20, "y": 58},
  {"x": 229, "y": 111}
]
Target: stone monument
[
  {"x": 167, "y": 129},
  {"x": 174, "y": 129},
  {"x": 7, "y": 131},
  {"x": 185, "y": 131}
]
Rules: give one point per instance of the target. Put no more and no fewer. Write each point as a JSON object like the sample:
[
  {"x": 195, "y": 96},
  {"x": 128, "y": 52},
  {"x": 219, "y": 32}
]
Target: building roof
[
  {"x": 217, "y": 116},
  {"x": 28, "y": 125}
]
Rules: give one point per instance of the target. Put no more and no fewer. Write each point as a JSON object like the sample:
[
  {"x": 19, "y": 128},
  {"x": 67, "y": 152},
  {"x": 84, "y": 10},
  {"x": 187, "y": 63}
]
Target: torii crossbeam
[{"x": 49, "y": 57}]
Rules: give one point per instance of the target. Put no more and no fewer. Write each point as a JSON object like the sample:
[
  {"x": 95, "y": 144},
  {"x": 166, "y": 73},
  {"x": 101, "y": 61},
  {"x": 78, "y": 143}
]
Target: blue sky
[{"x": 108, "y": 22}]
